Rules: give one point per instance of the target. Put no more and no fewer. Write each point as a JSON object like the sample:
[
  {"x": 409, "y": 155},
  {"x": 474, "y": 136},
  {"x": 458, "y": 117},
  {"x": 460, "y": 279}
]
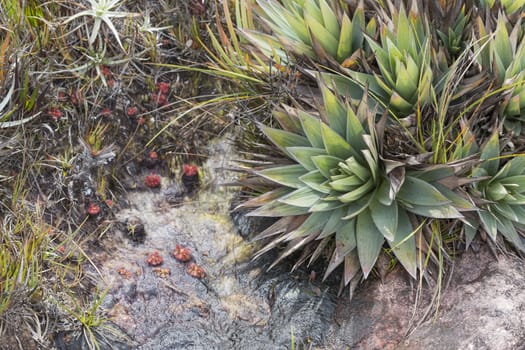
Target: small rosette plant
[
  {"x": 319, "y": 29},
  {"x": 503, "y": 55},
  {"x": 403, "y": 56},
  {"x": 338, "y": 192},
  {"x": 501, "y": 193}
]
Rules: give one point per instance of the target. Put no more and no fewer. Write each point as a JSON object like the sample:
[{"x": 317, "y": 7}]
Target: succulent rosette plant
[
  {"x": 403, "y": 56},
  {"x": 318, "y": 29},
  {"x": 338, "y": 188},
  {"x": 500, "y": 192},
  {"x": 503, "y": 55}
]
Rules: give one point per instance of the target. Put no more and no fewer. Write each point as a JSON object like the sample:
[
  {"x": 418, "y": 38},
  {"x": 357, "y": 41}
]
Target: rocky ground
[{"x": 234, "y": 303}]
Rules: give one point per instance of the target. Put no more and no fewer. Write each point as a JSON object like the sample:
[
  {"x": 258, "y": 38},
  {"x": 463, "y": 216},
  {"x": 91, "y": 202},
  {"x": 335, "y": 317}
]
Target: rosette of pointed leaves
[
  {"x": 337, "y": 188},
  {"x": 318, "y": 29},
  {"x": 453, "y": 36},
  {"x": 509, "y": 6},
  {"x": 501, "y": 190},
  {"x": 504, "y": 56},
  {"x": 403, "y": 56}
]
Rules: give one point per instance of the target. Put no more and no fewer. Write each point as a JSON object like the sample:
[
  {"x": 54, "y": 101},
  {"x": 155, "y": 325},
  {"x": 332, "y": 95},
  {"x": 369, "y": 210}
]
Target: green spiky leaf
[
  {"x": 490, "y": 154},
  {"x": 418, "y": 192},
  {"x": 287, "y": 175},
  {"x": 369, "y": 241},
  {"x": 284, "y": 139},
  {"x": 385, "y": 218},
  {"x": 404, "y": 244}
]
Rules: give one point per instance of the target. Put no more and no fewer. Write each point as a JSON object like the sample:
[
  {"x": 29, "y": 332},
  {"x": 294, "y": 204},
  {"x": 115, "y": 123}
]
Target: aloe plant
[
  {"x": 338, "y": 187},
  {"x": 501, "y": 193},
  {"x": 509, "y": 6},
  {"x": 453, "y": 37},
  {"x": 503, "y": 55},
  {"x": 403, "y": 57},
  {"x": 318, "y": 29}
]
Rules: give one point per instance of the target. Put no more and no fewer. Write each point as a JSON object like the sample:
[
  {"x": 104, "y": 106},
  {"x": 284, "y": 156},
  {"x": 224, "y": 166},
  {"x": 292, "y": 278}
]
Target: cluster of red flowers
[
  {"x": 196, "y": 271},
  {"x": 152, "y": 181},
  {"x": 132, "y": 111},
  {"x": 160, "y": 97},
  {"x": 190, "y": 169},
  {"x": 93, "y": 209},
  {"x": 154, "y": 259},
  {"x": 108, "y": 75},
  {"x": 55, "y": 113},
  {"x": 124, "y": 272},
  {"x": 183, "y": 254}
]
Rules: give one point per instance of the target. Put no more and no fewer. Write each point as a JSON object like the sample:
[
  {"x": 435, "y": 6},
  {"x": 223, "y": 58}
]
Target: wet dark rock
[
  {"x": 191, "y": 183},
  {"x": 249, "y": 226},
  {"x": 135, "y": 229}
]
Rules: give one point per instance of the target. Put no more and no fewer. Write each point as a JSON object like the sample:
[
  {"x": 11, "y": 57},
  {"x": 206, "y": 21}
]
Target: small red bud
[
  {"x": 154, "y": 259},
  {"x": 93, "y": 209},
  {"x": 163, "y": 87},
  {"x": 76, "y": 97},
  {"x": 196, "y": 271},
  {"x": 152, "y": 181},
  {"x": 55, "y": 113},
  {"x": 106, "y": 112},
  {"x": 106, "y": 71},
  {"x": 159, "y": 99},
  {"x": 131, "y": 111},
  {"x": 182, "y": 254},
  {"x": 190, "y": 169}
]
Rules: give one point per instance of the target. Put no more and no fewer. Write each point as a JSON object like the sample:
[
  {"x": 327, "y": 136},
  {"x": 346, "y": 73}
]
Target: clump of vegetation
[
  {"x": 343, "y": 185},
  {"x": 88, "y": 110},
  {"x": 393, "y": 156},
  {"x": 399, "y": 132}
]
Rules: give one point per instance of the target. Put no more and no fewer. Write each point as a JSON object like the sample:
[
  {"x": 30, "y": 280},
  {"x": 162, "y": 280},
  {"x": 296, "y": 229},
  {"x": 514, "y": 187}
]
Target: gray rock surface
[{"x": 482, "y": 309}]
